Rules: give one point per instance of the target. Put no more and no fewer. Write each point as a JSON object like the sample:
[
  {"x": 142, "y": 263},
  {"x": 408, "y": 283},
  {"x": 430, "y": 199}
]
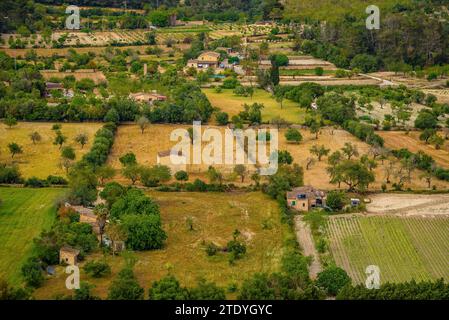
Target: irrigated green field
[
  {"x": 402, "y": 247},
  {"x": 24, "y": 213},
  {"x": 228, "y": 102}
]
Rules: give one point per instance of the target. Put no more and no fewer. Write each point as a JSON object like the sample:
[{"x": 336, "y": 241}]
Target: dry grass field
[
  {"x": 379, "y": 113},
  {"x": 441, "y": 94},
  {"x": 48, "y": 52},
  {"x": 398, "y": 140},
  {"x": 215, "y": 216},
  {"x": 228, "y": 102},
  {"x": 43, "y": 158},
  {"x": 157, "y": 138},
  {"x": 95, "y": 76},
  {"x": 317, "y": 174}
]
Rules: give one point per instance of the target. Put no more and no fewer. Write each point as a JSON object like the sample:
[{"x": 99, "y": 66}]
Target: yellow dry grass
[
  {"x": 95, "y": 76},
  {"x": 215, "y": 217},
  {"x": 399, "y": 139},
  {"x": 228, "y": 102},
  {"x": 317, "y": 175},
  {"x": 48, "y": 52},
  {"x": 157, "y": 138},
  {"x": 43, "y": 158}
]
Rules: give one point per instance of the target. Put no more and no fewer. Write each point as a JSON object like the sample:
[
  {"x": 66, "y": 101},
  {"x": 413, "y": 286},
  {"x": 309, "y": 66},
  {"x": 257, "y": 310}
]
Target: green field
[
  {"x": 402, "y": 247},
  {"x": 228, "y": 102},
  {"x": 24, "y": 213}
]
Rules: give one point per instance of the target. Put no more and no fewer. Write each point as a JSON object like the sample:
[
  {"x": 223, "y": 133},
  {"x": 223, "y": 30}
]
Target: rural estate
[{"x": 135, "y": 138}]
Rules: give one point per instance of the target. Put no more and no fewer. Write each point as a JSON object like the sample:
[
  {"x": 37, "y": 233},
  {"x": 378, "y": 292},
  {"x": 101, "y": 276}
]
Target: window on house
[{"x": 303, "y": 204}]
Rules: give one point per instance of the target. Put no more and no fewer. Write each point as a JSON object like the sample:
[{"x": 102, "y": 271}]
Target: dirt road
[
  {"x": 304, "y": 237},
  {"x": 409, "y": 204}
]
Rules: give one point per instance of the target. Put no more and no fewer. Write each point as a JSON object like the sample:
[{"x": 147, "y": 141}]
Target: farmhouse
[
  {"x": 179, "y": 160},
  {"x": 208, "y": 59},
  {"x": 87, "y": 215},
  {"x": 54, "y": 86},
  {"x": 68, "y": 255},
  {"x": 306, "y": 198},
  {"x": 148, "y": 98}
]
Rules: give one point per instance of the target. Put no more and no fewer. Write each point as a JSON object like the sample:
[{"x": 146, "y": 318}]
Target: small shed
[
  {"x": 68, "y": 255},
  {"x": 355, "y": 202}
]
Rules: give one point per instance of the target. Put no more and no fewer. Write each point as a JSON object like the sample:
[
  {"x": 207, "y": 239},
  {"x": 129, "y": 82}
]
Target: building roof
[
  {"x": 53, "y": 85},
  {"x": 210, "y": 53},
  {"x": 167, "y": 153},
  {"x": 147, "y": 96},
  {"x": 83, "y": 210},
  {"x": 69, "y": 250},
  {"x": 309, "y": 191}
]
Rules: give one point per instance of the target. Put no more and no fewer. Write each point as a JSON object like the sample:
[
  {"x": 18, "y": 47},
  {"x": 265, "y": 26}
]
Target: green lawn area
[
  {"x": 228, "y": 102},
  {"x": 24, "y": 213},
  {"x": 404, "y": 248}
]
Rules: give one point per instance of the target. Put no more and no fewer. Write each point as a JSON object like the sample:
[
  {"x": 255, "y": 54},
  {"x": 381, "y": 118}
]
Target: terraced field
[{"x": 404, "y": 248}]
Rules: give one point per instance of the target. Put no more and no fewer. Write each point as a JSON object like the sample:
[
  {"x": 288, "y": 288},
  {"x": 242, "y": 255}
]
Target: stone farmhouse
[
  {"x": 148, "y": 98},
  {"x": 205, "y": 60},
  {"x": 306, "y": 198},
  {"x": 68, "y": 255}
]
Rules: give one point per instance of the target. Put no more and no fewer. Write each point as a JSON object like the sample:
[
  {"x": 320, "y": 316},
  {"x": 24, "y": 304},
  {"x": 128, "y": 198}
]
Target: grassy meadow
[
  {"x": 43, "y": 158},
  {"x": 228, "y": 102},
  {"x": 24, "y": 213},
  {"x": 215, "y": 216}
]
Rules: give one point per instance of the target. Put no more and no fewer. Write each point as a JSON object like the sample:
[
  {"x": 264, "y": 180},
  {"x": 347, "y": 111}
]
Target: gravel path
[{"x": 305, "y": 239}]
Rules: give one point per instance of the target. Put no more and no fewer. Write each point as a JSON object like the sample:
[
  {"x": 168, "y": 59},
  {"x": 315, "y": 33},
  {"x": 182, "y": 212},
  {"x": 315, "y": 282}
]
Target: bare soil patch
[{"x": 409, "y": 204}]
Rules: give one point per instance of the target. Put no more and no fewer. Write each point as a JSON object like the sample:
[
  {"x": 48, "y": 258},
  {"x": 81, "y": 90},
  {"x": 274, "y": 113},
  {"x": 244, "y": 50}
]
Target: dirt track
[
  {"x": 304, "y": 237},
  {"x": 409, "y": 204}
]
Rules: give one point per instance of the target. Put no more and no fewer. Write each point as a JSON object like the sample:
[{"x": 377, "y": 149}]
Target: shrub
[
  {"x": 230, "y": 83},
  {"x": 333, "y": 279},
  {"x": 293, "y": 135},
  {"x": 34, "y": 182},
  {"x": 32, "y": 272},
  {"x": 10, "y": 174},
  {"x": 56, "y": 180},
  {"x": 181, "y": 176},
  {"x": 97, "y": 269},
  {"x": 211, "y": 249},
  {"x": 222, "y": 118},
  {"x": 237, "y": 249},
  {"x": 168, "y": 288},
  {"x": 319, "y": 71},
  {"x": 336, "y": 200}
]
